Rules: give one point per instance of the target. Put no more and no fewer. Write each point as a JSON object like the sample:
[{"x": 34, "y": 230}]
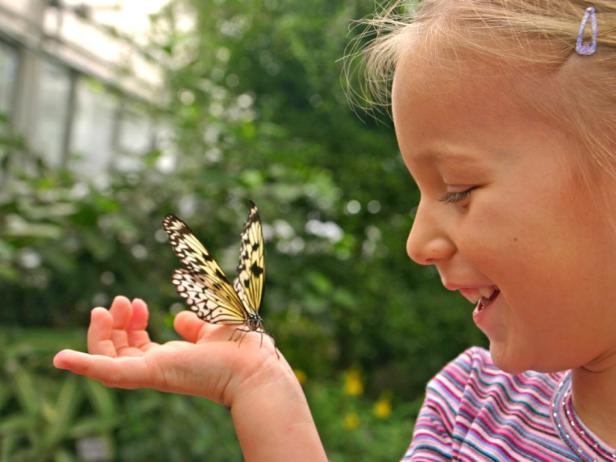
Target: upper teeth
[
  {"x": 474, "y": 295},
  {"x": 486, "y": 292}
]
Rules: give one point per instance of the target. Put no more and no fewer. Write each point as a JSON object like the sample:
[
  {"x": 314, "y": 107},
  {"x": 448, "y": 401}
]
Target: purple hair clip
[{"x": 587, "y": 49}]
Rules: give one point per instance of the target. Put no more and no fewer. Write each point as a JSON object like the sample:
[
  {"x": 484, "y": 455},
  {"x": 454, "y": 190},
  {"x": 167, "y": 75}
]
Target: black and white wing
[
  {"x": 203, "y": 296},
  {"x": 251, "y": 267},
  {"x": 202, "y": 283}
]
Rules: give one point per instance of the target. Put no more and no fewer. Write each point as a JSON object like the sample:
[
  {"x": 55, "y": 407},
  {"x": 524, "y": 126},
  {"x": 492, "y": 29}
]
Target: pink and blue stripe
[{"x": 474, "y": 412}]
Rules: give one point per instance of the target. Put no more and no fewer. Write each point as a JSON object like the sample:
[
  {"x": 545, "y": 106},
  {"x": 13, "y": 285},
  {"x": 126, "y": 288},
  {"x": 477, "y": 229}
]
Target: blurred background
[{"x": 114, "y": 113}]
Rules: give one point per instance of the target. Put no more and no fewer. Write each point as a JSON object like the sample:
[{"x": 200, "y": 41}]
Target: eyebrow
[{"x": 446, "y": 155}]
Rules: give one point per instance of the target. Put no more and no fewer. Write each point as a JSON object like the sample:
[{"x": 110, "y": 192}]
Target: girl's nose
[{"x": 428, "y": 243}]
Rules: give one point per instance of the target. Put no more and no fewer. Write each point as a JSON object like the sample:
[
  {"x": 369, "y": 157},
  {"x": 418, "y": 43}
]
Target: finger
[
  {"x": 119, "y": 337},
  {"x": 189, "y": 326},
  {"x": 99, "y": 333},
  {"x": 140, "y": 315},
  {"x": 122, "y": 311},
  {"x": 62, "y": 359},
  {"x": 137, "y": 336},
  {"x": 127, "y": 372},
  {"x": 140, "y": 339}
]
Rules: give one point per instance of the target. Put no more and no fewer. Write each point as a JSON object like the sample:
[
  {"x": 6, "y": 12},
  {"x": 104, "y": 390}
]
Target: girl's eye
[{"x": 457, "y": 196}]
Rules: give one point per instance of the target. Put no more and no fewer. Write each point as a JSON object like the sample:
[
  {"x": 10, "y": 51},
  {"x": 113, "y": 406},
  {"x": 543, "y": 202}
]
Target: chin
[
  {"x": 516, "y": 361},
  {"x": 510, "y": 363}
]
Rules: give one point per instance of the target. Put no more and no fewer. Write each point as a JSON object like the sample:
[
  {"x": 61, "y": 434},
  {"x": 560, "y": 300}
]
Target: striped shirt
[{"x": 475, "y": 412}]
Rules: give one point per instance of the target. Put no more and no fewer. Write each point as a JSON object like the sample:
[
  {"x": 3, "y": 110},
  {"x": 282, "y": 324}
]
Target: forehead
[
  {"x": 462, "y": 103},
  {"x": 434, "y": 56},
  {"x": 460, "y": 83}
]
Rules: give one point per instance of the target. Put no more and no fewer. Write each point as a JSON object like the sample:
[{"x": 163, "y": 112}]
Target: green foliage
[
  {"x": 37, "y": 415},
  {"x": 256, "y": 111},
  {"x": 49, "y": 416}
]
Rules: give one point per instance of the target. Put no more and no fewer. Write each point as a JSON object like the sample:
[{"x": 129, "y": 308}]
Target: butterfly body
[
  {"x": 254, "y": 322},
  {"x": 204, "y": 285}
]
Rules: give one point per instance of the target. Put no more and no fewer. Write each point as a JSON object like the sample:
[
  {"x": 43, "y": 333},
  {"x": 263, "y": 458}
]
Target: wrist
[
  {"x": 272, "y": 374},
  {"x": 272, "y": 417}
]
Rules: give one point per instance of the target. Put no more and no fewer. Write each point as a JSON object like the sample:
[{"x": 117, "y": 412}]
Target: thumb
[{"x": 189, "y": 326}]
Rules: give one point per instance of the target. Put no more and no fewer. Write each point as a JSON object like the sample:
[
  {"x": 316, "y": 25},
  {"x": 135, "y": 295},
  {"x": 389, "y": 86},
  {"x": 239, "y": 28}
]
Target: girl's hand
[
  {"x": 268, "y": 407},
  {"x": 206, "y": 364}
]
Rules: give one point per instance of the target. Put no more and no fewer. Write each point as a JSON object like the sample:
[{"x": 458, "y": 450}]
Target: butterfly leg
[
  {"x": 238, "y": 334},
  {"x": 235, "y": 335},
  {"x": 242, "y": 335}
]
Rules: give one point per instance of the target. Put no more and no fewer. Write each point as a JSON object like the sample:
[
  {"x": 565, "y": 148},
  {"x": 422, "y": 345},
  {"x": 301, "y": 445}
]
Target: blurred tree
[{"x": 336, "y": 179}]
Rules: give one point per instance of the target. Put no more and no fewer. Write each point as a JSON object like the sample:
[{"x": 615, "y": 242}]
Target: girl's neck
[{"x": 594, "y": 397}]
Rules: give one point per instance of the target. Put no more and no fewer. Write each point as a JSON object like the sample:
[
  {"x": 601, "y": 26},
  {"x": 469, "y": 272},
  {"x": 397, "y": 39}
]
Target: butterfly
[{"x": 204, "y": 285}]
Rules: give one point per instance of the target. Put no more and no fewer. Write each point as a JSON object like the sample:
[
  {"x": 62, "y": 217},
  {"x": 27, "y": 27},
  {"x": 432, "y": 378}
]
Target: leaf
[
  {"x": 5, "y": 394},
  {"x": 33, "y": 230},
  {"x": 320, "y": 282},
  {"x": 9, "y": 442},
  {"x": 68, "y": 399},
  {"x": 26, "y": 392},
  {"x": 101, "y": 398},
  {"x": 24, "y": 455},
  {"x": 62, "y": 455},
  {"x": 17, "y": 424},
  {"x": 87, "y": 426}
]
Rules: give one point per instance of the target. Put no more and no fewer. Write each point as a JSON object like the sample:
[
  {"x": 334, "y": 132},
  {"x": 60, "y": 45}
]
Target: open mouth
[{"x": 484, "y": 302}]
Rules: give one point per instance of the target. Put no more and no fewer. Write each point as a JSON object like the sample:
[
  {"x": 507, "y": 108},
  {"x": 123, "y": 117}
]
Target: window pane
[
  {"x": 51, "y": 111},
  {"x": 91, "y": 144},
  {"x": 135, "y": 137},
  {"x": 8, "y": 76}
]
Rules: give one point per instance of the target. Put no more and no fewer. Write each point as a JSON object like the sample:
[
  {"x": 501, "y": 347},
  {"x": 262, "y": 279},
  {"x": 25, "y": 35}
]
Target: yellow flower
[
  {"x": 351, "y": 420},
  {"x": 382, "y": 407},
  {"x": 301, "y": 376},
  {"x": 353, "y": 385}
]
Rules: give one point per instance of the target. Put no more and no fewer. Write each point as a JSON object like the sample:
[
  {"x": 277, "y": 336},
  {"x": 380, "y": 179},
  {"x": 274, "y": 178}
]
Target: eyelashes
[{"x": 458, "y": 196}]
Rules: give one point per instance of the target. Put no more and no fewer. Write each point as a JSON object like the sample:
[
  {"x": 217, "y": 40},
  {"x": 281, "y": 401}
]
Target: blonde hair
[{"x": 533, "y": 34}]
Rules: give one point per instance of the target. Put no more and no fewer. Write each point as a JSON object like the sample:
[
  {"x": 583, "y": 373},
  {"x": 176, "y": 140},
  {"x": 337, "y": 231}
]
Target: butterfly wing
[
  {"x": 205, "y": 297},
  {"x": 251, "y": 267},
  {"x": 201, "y": 271}
]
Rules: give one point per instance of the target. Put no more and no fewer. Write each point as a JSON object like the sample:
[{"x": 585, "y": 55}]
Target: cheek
[
  {"x": 487, "y": 235},
  {"x": 502, "y": 248},
  {"x": 539, "y": 258}
]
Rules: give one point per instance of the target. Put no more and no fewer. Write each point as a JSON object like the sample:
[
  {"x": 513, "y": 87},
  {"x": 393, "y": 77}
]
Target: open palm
[{"x": 121, "y": 354}]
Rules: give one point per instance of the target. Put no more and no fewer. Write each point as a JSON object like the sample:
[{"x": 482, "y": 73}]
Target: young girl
[{"x": 505, "y": 113}]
